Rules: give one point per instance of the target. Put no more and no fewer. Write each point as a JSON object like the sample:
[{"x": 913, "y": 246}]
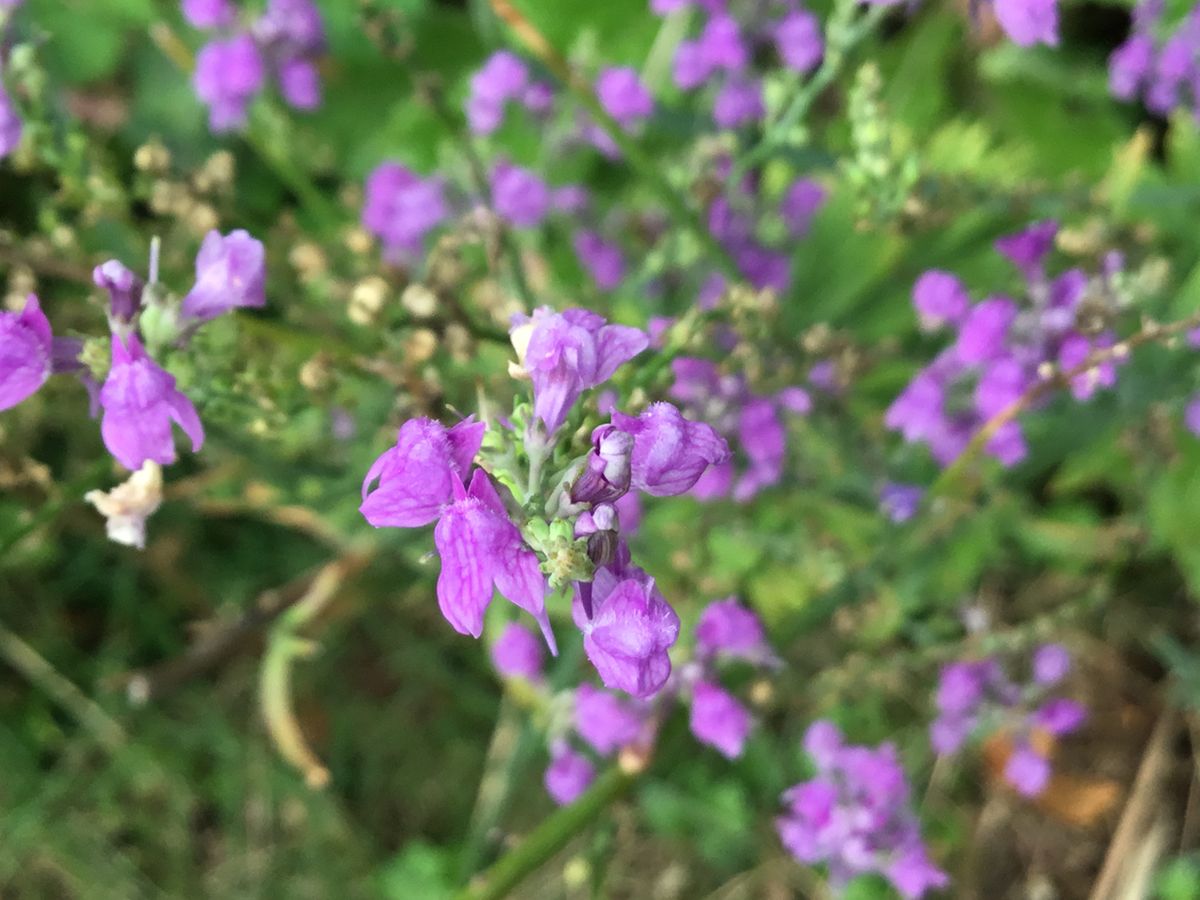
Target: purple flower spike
[
  {"x": 517, "y": 653},
  {"x": 570, "y": 352},
  {"x": 230, "y": 273},
  {"x": 123, "y": 286},
  {"x": 26, "y": 353},
  {"x": 983, "y": 331},
  {"x": 1051, "y": 663},
  {"x": 607, "y": 472},
  {"x": 519, "y": 196},
  {"x": 604, "y": 720},
  {"x": 416, "y": 476},
  {"x": 140, "y": 402},
  {"x": 228, "y": 75},
  {"x": 1028, "y": 249},
  {"x": 569, "y": 775},
  {"x": 738, "y": 103},
  {"x": 630, "y": 632},
  {"x": 623, "y": 96},
  {"x": 718, "y": 719},
  {"x": 209, "y": 13},
  {"x": 1027, "y": 771},
  {"x": 603, "y": 259},
  {"x": 799, "y": 42},
  {"x": 940, "y": 299},
  {"x": 1028, "y": 22},
  {"x": 10, "y": 125},
  {"x": 670, "y": 453},
  {"x": 401, "y": 208},
  {"x": 480, "y": 547},
  {"x": 727, "y": 628}
]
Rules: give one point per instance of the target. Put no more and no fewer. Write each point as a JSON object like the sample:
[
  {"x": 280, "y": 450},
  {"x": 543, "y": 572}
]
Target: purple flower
[
  {"x": 1074, "y": 352},
  {"x": 606, "y": 473},
  {"x": 140, "y": 402},
  {"x": 1028, "y": 22},
  {"x": 416, "y": 477},
  {"x": 209, "y": 13},
  {"x": 401, "y": 208},
  {"x": 569, "y": 352},
  {"x": 1130, "y": 65},
  {"x": 291, "y": 28},
  {"x": 948, "y": 733},
  {"x": 480, "y": 549},
  {"x": 1191, "y": 415},
  {"x": 10, "y": 125},
  {"x": 123, "y": 286},
  {"x": 623, "y": 96},
  {"x": 538, "y": 98},
  {"x": 913, "y": 873},
  {"x": 603, "y": 259},
  {"x": 984, "y": 330},
  {"x": 800, "y": 204},
  {"x": 517, "y": 653},
  {"x": 1027, "y": 249},
  {"x": 900, "y": 502},
  {"x": 669, "y": 452},
  {"x": 300, "y": 83},
  {"x": 940, "y": 299},
  {"x": 717, "y": 719},
  {"x": 228, "y": 75},
  {"x": 1027, "y": 770},
  {"x": 738, "y": 102},
  {"x": 1001, "y": 384},
  {"x": 569, "y": 775},
  {"x": 1051, "y": 663},
  {"x": 691, "y": 68},
  {"x": 1059, "y": 716},
  {"x": 502, "y": 78},
  {"x": 230, "y": 273},
  {"x": 795, "y": 400},
  {"x": 798, "y": 40},
  {"x": 630, "y": 631},
  {"x": 518, "y": 195},
  {"x": 26, "y": 353},
  {"x": 721, "y": 44},
  {"x": 604, "y": 720},
  {"x": 570, "y": 198},
  {"x": 727, "y": 628}
]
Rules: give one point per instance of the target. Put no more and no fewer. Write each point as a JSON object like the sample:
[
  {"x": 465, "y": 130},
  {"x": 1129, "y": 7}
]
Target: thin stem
[
  {"x": 638, "y": 159},
  {"x": 550, "y": 837}
]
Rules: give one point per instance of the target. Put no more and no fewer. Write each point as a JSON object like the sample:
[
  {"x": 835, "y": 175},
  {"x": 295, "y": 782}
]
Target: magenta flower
[
  {"x": 984, "y": 330},
  {"x": 623, "y": 96},
  {"x": 26, "y": 353},
  {"x": 10, "y": 124},
  {"x": 1051, "y": 663},
  {"x": 230, "y": 272},
  {"x": 570, "y": 352},
  {"x": 1028, "y": 22},
  {"x": 568, "y": 775},
  {"x": 629, "y": 632},
  {"x": 1027, "y": 249},
  {"x": 502, "y": 78},
  {"x": 900, "y": 502},
  {"x": 1027, "y": 770},
  {"x": 518, "y": 195},
  {"x": 728, "y": 629},
  {"x": 603, "y": 259},
  {"x": 738, "y": 102},
  {"x": 517, "y": 653},
  {"x": 401, "y": 208},
  {"x": 209, "y": 13},
  {"x": 1059, "y": 716},
  {"x": 291, "y": 28},
  {"x": 140, "y": 402},
  {"x": 606, "y": 474},
  {"x": 804, "y": 198},
  {"x": 228, "y": 75},
  {"x": 123, "y": 286},
  {"x": 299, "y": 83},
  {"x": 670, "y": 453},
  {"x": 1191, "y": 415},
  {"x": 604, "y": 720},
  {"x": 719, "y": 720},
  {"x": 799, "y": 41},
  {"x": 940, "y": 299}
]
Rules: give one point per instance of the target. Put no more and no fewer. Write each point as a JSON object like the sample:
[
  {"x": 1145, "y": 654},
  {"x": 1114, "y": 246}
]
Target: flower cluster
[
  {"x": 855, "y": 816},
  {"x": 1026, "y": 22},
  {"x": 401, "y": 208},
  {"x": 606, "y": 724},
  {"x": 752, "y": 421},
  {"x": 978, "y": 696},
  {"x": 721, "y": 54},
  {"x": 138, "y": 397},
  {"x": 1164, "y": 68},
  {"x": 503, "y": 79},
  {"x": 568, "y": 531},
  {"x": 284, "y": 42},
  {"x": 1003, "y": 348}
]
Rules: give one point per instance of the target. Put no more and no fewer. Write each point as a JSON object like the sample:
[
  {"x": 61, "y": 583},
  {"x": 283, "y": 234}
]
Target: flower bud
[{"x": 607, "y": 473}]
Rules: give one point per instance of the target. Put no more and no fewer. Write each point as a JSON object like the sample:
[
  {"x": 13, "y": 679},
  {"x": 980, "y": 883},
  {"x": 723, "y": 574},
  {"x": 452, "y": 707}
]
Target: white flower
[{"x": 127, "y": 506}]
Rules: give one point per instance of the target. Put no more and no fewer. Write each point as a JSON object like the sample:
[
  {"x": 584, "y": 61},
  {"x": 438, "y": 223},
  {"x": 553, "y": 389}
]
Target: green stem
[{"x": 549, "y": 837}]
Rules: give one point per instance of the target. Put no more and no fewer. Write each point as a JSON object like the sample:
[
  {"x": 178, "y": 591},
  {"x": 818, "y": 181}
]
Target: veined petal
[
  {"x": 464, "y": 587},
  {"x": 616, "y": 345}
]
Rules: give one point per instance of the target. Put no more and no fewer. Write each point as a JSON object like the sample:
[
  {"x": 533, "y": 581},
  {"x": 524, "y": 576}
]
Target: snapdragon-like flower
[
  {"x": 569, "y": 352},
  {"x": 670, "y": 453},
  {"x": 26, "y": 353},
  {"x": 978, "y": 695},
  {"x": 718, "y": 719},
  {"x": 140, "y": 401},
  {"x": 602, "y": 259},
  {"x": 629, "y": 631},
  {"x": 124, "y": 289},
  {"x": 623, "y": 96},
  {"x": 1159, "y": 63},
  {"x": 569, "y": 775},
  {"x": 607, "y": 473},
  {"x": 127, "y": 506},
  {"x": 799, "y": 40},
  {"x": 517, "y": 653},
  {"x": 502, "y": 78},
  {"x": 855, "y": 816},
  {"x": 401, "y": 208},
  {"x": 519, "y": 196},
  {"x": 604, "y": 720},
  {"x": 421, "y": 481},
  {"x": 728, "y": 629},
  {"x": 229, "y": 73},
  {"x": 230, "y": 273}
]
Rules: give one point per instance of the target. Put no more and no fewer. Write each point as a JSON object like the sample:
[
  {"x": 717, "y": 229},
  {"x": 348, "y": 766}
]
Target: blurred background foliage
[{"x": 1092, "y": 539}]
